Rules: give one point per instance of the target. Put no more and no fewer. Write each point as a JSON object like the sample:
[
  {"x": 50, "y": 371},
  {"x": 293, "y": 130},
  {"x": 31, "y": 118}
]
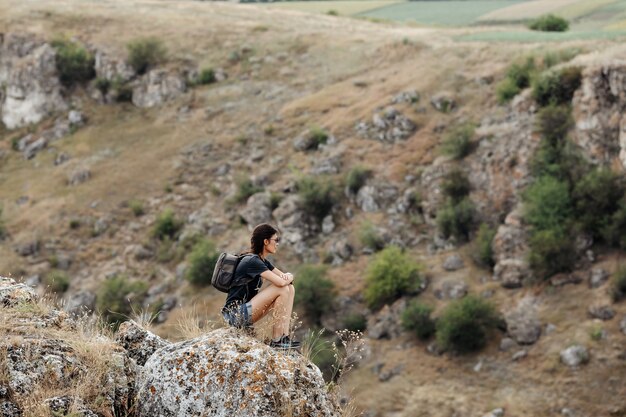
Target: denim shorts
[{"x": 241, "y": 316}]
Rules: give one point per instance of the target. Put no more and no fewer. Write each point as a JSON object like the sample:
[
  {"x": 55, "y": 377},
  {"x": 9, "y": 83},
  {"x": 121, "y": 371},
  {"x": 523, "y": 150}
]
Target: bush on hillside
[
  {"x": 464, "y": 325},
  {"x": 455, "y": 185},
  {"x": 552, "y": 251},
  {"x": 319, "y": 136},
  {"x": 245, "y": 189},
  {"x": 356, "y": 178},
  {"x": 562, "y": 160},
  {"x": 355, "y": 322},
  {"x": 390, "y": 275},
  {"x": 482, "y": 250},
  {"x": 119, "y": 297},
  {"x": 457, "y": 143},
  {"x": 549, "y": 23},
  {"x": 201, "y": 262},
  {"x": 522, "y": 73},
  {"x": 548, "y": 205},
  {"x": 57, "y": 281},
  {"x": 552, "y": 58},
  {"x": 370, "y": 237},
  {"x": 506, "y": 90},
  {"x": 314, "y": 292},
  {"x": 145, "y": 53},
  {"x": 614, "y": 233},
  {"x": 318, "y": 196},
  {"x": 553, "y": 123},
  {"x": 207, "y": 76},
  {"x": 166, "y": 225},
  {"x": 416, "y": 319},
  {"x": 73, "y": 62},
  {"x": 596, "y": 197},
  {"x": 456, "y": 219},
  {"x": 618, "y": 285},
  {"x": 557, "y": 87},
  {"x": 136, "y": 206}
]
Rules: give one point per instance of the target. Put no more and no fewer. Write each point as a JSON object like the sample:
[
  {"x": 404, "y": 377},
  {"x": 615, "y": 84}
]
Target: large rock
[
  {"x": 224, "y": 374},
  {"x": 112, "y": 68},
  {"x": 139, "y": 343},
  {"x": 386, "y": 323},
  {"x": 157, "y": 87},
  {"x": 376, "y": 196},
  {"x": 12, "y": 293},
  {"x": 388, "y": 125},
  {"x": 83, "y": 302},
  {"x": 522, "y": 322},
  {"x": 575, "y": 355},
  {"x": 510, "y": 250},
  {"x": 32, "y": 90},
  {"x": 258, "y": 209}
]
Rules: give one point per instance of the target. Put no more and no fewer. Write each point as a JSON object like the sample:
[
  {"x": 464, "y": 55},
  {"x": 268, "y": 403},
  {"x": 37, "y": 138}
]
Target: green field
[
  {"x": 441, "y": 13},
  {"x": 344, "y": 8}
]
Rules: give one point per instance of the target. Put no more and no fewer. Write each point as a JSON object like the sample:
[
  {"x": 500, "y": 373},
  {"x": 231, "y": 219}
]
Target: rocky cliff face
[{"x": 51, "y": 363}]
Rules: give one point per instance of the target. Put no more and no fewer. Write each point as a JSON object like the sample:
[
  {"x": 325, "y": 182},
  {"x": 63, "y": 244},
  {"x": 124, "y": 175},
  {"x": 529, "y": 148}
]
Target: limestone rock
[
  {"x": 387, "y": 126},
  {"x": 28, "y": 73},
  {"x": 522, "y": 322},
  {"x": 12, "y": 293},
  {"x": 228, "y": 375},
  {"x": 386, "y": 323},
  {"x": 258, "y": 209},
  {"x": 139, "y": 343},
  {"x": 597, "y": 277},
  {"x": 376, "y": 196},
  {"x": 602, "y": 312},
  {"x": 157, "y": 87},
  {"x": 575, "y": 355},
  {"x": 409, "y": 96},
  {"x": 510, "y": 248},
  {"x": 453, "y": 262},
  {"x": 443, "y": 102},
  {"x": 451, "y": 290},
  {"x": 341, "y": 251},
  {"x": 81, "y": 303},
  {"x": 498, "y": 412},
  {"x": 78, "y": 176},
  {"x": 112, "y": 68}
]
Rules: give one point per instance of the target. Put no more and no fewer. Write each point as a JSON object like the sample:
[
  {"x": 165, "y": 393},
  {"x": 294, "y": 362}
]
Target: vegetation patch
[
  {"x": 370, "y": 237},
  {"x": 318, "y": 195},
  {"x": 557, "y": 87},
  {"x": 314, "y": 292},
  {"x": 457, "y": 143},
  {"x": 73, "y": 62},
  {"x": 166, "y": 225},
  {"x": 145, "y": 54},
  {"x": 464, "y": 325},
  {"x": 482, "y": 249},
  {"x": 390, "y": 275},
  {"x": 206, "y": 76},
  {"x": 357, "y": 177},
  {"x": 417, "y": 319},
  {"x": 57, "y": 281},
  {"x": 119, "y": 297},
  {"x": 618, "y": 285},
  {"x": 549, "y": 23},
  {"x": 201, "y": 262},
  {"x": 245, "y": 189}
]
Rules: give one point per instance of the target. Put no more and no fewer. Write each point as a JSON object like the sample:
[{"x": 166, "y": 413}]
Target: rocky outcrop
[
  {"x": 156, "y": 87},
  {"x": 522, "y": 322},
  {"x": 139, "y": 343},
  {"x": 31, "y": 87},
  {"x": 388, "y": 125},
  {"x": 12, "y": 293},
  {"x": 510, "y": 250},
  {"x": 599, "y": 107},
  {"x": 258, "y": 209},
  {"x": 224, "y": 374}
]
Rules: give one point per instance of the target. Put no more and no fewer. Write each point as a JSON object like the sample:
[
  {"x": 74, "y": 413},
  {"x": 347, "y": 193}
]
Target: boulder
[
  {"x": 258, "y": 209},
  {"x": 31, "y": 84},
  {"x": 388, "y": 125},
  {"x": 575, "y": 355},
  {"x": 112, "y": 68},
  {"x": 409, "y": 96},
  {"x": 510, "y": 251},
  {"x": 522, "y": 322},
  {"x": 83, "y": 302},
  {"x": 453, "y": 262},
  {"x": 443, "y": 102},
  {"x": 376, "y": 196},
  {"x": 12, "y": 293},
  {"x": 597, "y": 277},
  {"x": 602, "y": 312},
  {"x": 386, "y": 323},
  {"x": 78, "y": 176},
  {"x": 451, "y": 290},
  {"x": 139, "y": 343},
  {"x": 156, "y": 87},
  {"x": 225, "y": 374}
]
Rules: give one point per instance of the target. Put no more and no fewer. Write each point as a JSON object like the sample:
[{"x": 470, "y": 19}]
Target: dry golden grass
[{"x": 527, "y": 10}]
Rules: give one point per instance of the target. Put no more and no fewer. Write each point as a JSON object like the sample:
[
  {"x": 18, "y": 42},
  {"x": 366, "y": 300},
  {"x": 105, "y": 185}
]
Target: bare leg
[
  {"x": 280, "y": 300},
  {"x": 289, "y": 309}
]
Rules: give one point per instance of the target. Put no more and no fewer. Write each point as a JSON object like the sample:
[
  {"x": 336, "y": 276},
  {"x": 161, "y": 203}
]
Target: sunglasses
[{"x": 277, "y": 240}]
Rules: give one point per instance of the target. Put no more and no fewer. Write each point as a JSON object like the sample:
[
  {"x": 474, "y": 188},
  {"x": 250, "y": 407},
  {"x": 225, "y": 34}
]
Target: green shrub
[
  {"x": 74, "y": 224},
  {"x": 416, "y": 319},
  {"x": 207, "y": 76},
  {"x": 314, "y": 292},
  {"x": 482, "y": 250},
  {"x": 615, "y": 232},
  {"x": 596, "y": 333},
  {"x": 123, "y": 91},
  {"x": 73, "y": 62},
  {"x": 201, "y": 262},
  {"x": 136, "y": 206},
  {"x": 332, "y": 13},
  {"x": 618, "y": 284},
  {"x": 506, "y": 91},
  {"x": 119, "y": 297},
  {"x": 456, "y": 219},
  {"x": 103, "y": 84},
  {"x": 245, "y": 189},
  {"x": 318, "y": 196},
  {"x": 319, "y": 136},
  {"x": 551, "y": 251},
  {"x": 355, "y": 322},
  {"x": 57, "y": 282},
  {"x": 145, "y": 53},
  {"x": 549, "y": 23},
  {"x": 596, "y": 197},
  {"x": 167, "y": 225},
  {"x": 465, "y": 324},
  {"x": 548, "y": 205},
  {"x": 370, "y": 237},
  {"x": 553, "y": 123},
  {"x": 455, "y": 185},
  {"x": 557, "y": 87},
  {"x": 390, "y": 275},
  {"x": 521, "y": 74},
  {"x": 323, "y": 352},
  {"x": 457, "y": 143},
  {"x": 561, "y": 160},
  {"x": 356, "y": 178},
  {"x": 552, "y": 58}
]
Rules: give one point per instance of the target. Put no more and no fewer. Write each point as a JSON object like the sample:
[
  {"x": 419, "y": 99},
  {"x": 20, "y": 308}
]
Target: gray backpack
[{"x": 224, "y": 273}]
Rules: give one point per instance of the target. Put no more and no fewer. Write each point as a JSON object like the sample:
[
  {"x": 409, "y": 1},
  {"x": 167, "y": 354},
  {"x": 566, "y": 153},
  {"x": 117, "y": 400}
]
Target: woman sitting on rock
[{"x": 245, "y": 304}]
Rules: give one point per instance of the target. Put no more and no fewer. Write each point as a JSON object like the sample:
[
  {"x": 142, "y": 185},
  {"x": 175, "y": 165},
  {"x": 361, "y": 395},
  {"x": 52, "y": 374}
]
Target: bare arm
[{"x": 278, "y": 280}]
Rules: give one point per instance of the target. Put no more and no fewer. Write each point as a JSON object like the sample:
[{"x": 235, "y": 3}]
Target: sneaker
[{"x": 285, "y": 343}]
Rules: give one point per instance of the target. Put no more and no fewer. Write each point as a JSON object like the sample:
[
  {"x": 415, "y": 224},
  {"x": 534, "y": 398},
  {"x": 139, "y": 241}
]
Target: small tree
[
  {"x": 314, "y": 292},
  {"x": 456, "y": 219},
  {"x": 549, "y": 23},
  {"x": 416, "y": 319},
  {"x": 557, "y": 87},
  {"x": 455, "y": 185},
  {"x": 145, "y": 53},
  {"x": 548, "y": 204},
  {"x": 390, "y": 275},
  {"x": 201, "y": 263},
  {"x": 552, "y": 251},
  {"x": 73, "y": 62},
  {"x": 318, "y": 196},
  {"x": 465, "y": 324},
  {"x": 482, "y": 251}
]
